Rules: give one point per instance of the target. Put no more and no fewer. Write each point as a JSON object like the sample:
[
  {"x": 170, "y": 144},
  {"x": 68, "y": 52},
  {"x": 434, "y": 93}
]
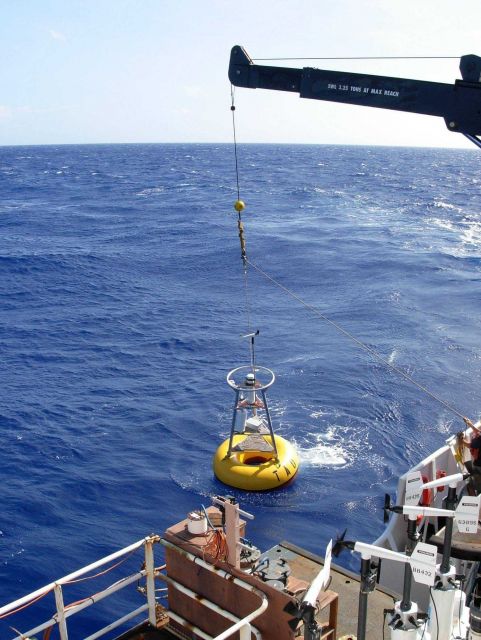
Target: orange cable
[
  {"x": 42, "y": 595},
  {"x": 101, "y": 573}
]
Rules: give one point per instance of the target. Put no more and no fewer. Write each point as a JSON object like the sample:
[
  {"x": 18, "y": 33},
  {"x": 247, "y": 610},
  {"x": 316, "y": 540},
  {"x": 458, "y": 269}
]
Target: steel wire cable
[
  {"x": 239, "y": 217},
  {"x": 359, "y": 58},
  {"x": 353, "y": 338},
  {"x": 232, "y": 108}
]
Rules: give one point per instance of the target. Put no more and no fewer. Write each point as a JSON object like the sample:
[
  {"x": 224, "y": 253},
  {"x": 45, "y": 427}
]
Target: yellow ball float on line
[{"x": 239, "y": 206}]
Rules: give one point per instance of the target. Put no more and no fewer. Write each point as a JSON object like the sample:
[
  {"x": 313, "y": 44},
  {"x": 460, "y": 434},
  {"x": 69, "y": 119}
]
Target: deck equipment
[{"x": 459, "y": 104}]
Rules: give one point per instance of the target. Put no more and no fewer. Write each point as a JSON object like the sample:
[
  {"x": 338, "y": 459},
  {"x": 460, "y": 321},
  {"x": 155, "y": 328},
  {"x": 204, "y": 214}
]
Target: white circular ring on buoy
[{"x": 248, "y": 369}]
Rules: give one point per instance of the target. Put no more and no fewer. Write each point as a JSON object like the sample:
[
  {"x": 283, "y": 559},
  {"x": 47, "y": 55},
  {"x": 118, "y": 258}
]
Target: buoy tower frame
[{"x": 246, "y": 399}]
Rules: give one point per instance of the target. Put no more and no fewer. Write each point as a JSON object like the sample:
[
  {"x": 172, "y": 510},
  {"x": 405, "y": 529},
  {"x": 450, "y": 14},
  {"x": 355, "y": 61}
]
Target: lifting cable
[
  {"x": 359, "y": 343},
  {"x": 239, "y": 207},
  {"x": 362, "y": 58}
]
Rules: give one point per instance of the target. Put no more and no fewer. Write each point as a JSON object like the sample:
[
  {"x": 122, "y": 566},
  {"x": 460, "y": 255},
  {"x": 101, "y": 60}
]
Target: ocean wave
[
  {"x": 123, "y": 299},
  {"x": 322, "y": 454},
  {"x": 440, "y": 204},
  {"x": 150, "y": 191}
]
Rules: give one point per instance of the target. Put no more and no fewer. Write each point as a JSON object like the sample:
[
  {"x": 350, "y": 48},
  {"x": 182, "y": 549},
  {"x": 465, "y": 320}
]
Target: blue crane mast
[{"x": 459, "y": 103}]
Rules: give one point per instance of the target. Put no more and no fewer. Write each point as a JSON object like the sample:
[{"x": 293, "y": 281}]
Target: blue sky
[{"x": 156, "y": 70}]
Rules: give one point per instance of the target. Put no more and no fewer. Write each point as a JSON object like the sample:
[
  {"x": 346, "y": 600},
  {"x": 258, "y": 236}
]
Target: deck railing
[
  {"x": 150, "y": 573},
  {"x": 242, "y": 625},
  {"x": 64, "y": 612}
]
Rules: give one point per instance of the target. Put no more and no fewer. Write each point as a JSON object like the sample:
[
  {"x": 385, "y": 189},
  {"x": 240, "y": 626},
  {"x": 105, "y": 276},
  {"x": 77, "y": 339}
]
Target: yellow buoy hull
[{"x": 256, "y": 470}]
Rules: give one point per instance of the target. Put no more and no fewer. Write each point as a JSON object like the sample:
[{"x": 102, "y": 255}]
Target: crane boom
[{"x": 459, "y": 103}]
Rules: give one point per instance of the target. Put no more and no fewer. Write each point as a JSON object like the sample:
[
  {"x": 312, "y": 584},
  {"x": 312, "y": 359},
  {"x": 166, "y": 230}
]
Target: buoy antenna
[{"x": 252, "y": 337}]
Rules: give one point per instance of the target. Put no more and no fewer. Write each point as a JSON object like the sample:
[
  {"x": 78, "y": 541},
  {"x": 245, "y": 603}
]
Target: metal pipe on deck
[
  {"x": 228, "y": 576},
  {"x": 210, "y": 605}
]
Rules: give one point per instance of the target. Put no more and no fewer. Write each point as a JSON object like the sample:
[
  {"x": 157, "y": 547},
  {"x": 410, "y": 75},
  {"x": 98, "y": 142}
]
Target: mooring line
[
  {"x": 353, "y": 338},
  {"x": 239, "y": 207}
]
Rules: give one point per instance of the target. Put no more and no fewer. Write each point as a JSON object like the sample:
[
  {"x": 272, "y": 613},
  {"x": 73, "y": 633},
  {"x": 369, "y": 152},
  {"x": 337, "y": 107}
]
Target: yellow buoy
[
  {"x": 253, "y": 458},
  {"x": 239, "y": 205},
  {"x": 256, "y": 470}
]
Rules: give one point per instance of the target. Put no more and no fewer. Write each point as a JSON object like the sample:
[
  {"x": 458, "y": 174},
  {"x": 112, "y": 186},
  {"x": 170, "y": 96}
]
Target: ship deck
[
  {"x": 145, "y": 632},
  {"x": 305, "y": 566}
]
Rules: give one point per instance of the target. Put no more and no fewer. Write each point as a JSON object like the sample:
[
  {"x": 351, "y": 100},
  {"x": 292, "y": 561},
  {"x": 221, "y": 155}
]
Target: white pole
[
  {"x": 62, "y": 624},
  {"x": 245, "y": 632},
  {"x": 117, "y": 623},
  {"x": 86, "y": 603},
  {"x": 441, "y": 612},
  {"x": 232, "y": 533},
  {"x": 149, "y": 567}
]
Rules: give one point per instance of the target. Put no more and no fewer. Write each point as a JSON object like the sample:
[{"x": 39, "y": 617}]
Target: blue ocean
[{"x": 123, "y": 303}]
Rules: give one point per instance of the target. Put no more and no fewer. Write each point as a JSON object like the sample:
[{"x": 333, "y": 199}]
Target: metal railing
[
  {"x": 64, "y": 612},
  {"x": 242, "y": 625}
]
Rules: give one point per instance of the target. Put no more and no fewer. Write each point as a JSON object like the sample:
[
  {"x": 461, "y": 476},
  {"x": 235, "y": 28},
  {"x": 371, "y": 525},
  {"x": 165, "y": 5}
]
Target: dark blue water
[{"x": 122, "y": 306}]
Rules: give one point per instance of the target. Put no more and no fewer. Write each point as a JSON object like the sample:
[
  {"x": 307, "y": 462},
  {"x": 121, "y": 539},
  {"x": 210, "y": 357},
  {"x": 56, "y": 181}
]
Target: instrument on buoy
[{"x": 253, "y": 457}]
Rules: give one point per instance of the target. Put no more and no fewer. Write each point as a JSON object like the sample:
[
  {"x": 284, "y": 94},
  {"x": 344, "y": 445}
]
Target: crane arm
[{"x": 459, "y": 103}]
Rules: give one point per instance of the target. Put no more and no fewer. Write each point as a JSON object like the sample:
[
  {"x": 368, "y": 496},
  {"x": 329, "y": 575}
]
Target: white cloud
[
  {"x": 192, "y": 91},
  {"x": 5, "y": 112},
  {"x": 26, "y": 110},
  {"x": 56, "y": 35}
]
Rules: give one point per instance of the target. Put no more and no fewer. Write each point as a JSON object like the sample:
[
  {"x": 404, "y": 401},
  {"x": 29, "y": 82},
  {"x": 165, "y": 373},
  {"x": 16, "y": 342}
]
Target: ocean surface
[{"x": 123, "y": 303}]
